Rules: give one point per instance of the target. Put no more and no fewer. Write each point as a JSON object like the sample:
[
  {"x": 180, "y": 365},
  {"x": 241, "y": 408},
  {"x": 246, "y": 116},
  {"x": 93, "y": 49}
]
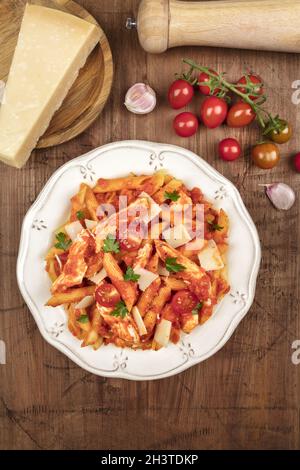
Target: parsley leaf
[
  {"x": 120, "y": 310},
  {"x": 214, "y": 226},
  {"x": 198, "y": 307},
  {"x": 173, "y": 267},
  {"x": 130, "y": 275},
  {"x": 111, "y": 245},
  {"x": 63, "y": 243},
  {"x": 80, "y": 215},
  {"x": 174, "y": 196},
  {"x": 83, "y": 319}
]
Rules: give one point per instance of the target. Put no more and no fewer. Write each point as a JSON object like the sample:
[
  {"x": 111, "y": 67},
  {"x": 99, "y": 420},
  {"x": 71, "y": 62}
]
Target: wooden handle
[{"x": 272, "y": 25}]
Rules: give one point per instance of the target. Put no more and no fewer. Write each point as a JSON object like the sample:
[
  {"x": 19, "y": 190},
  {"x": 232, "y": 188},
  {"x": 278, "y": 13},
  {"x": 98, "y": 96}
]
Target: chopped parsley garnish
[
  {"x": 174, "y": 196},
  {"x": 83, "y": 319},
  {"x": 214, "y": 227},
  {"x": 120, "y": 310},
  {"x": 111, "y": 245},
  {"x": 130, "y": 275},
  {"x": 173, "y": 267},
  {"x": 80, "y": 215},
  {"x": 63, "y": 243},
  {"x": 198, "y": 307}
]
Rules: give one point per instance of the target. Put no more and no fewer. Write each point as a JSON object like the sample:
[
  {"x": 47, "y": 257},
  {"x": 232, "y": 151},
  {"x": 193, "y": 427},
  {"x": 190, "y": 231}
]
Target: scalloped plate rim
[{"x": 24, "y": 242}]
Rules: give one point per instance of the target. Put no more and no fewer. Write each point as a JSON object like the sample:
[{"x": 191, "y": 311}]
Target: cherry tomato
[
  {"x": 240, "y": 114},
  {"x": 253, "y": 79},
  {"x": 213, "y": 112},
  {"x": 180, "y": 93},
  {"x": 205, "y": 90},
  {"x": 229, "y": 149},
  {"x": 283, "y": 134},
  {"x": 185, "y": 124},
  {"x": 265, "y": 155},
  {"x": 184, "y": 301},
  {"x": 297, "y": 162},
  {"x": 107, "y": 295}
]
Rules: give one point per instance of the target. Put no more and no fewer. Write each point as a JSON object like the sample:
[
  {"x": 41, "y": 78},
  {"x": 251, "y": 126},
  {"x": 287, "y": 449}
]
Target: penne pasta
[{"x": 130, "y": 289}]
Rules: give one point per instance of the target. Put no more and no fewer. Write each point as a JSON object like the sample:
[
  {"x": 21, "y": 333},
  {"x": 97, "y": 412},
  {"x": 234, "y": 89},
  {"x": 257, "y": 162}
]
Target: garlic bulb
[
  {"x": 140, "y": 99},
  {"x": 281, "y": 195}
]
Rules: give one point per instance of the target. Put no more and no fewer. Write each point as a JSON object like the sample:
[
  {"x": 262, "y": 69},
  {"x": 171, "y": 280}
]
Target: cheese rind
[{"x": 52, "y": 47}]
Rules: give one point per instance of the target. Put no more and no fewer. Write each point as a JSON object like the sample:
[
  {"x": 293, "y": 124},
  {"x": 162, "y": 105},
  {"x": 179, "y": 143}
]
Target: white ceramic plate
[{"x": 51, "y": 209}]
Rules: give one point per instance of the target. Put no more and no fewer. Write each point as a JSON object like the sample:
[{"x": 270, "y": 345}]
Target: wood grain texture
[
  {"x": 90, "y": 91},
  {"x": 247, "y": 395}
]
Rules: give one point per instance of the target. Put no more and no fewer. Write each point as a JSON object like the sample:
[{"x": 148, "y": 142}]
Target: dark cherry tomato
[
  {"x": 240, "y": 114},
  {"x": 229, "y": 149},
  {"x": 184, "y": 301},
  {"x": 265, "y": 155},
  {"x": 185, "y": 124},
  {"x": 205, "y": 90},
  {"x": 297, "y": 162},
  {"x": 107, "y": 295},
  {"x": 282, "y": 135},
  {"x": 255, "y": 80},
  {"x": 213, "y": 112},
  {"x": 180, "y": 93}
]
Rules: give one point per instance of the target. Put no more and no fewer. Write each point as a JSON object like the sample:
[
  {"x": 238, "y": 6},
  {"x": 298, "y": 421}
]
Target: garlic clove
[
  {"x": 281, "y": 195},
  {"x": 140, "y": 99}
]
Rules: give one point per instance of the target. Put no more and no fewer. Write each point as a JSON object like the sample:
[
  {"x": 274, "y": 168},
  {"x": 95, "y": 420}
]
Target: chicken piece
[
  {"x": 196, "y": 278},
  {"x": 75, "y": 268},
  {"x": 144, "y": 254},
  {"x": 122, "y": 328}
]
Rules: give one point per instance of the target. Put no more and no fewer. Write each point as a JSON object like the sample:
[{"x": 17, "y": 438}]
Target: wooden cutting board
[{"x": 91, "y": 89}]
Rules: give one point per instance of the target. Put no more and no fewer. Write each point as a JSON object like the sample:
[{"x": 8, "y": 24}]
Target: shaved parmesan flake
[
  {"x": 98, "y": 277},
  {"x": 162, "y": 270},
  {"x": 210, "y": 258},
  {"x": 177, "y": 236},
  {"x": 59, "y": 262},
  {"x": 90, "y": 224},
  {"x": 196, "y": 245},
  {"x": 139, "y": 321},
  {"x": 85, "y": 302},
  {"x": 146, "y": 277},
  {"x": 73, "y": 229},
  {"x": 163, "y": 331},
  {"x": 155, "y": 209}
]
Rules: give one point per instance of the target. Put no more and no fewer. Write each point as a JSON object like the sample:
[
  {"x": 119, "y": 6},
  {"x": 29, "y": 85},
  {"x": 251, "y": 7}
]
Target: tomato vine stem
[{"x": 271, "y": 123}]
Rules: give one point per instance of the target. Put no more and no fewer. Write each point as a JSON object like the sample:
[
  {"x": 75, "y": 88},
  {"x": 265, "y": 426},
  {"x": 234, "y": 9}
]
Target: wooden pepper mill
[{"x": 272, "y": 25}]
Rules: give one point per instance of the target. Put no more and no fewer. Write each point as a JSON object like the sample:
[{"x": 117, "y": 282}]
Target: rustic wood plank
[{"x": 247, "y": 395}]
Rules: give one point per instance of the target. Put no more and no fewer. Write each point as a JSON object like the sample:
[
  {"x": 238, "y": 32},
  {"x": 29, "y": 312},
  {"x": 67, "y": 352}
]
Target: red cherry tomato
[
  {"x": 253, "y": 79},
  {"x": 180, "y": 93},
  {"x": 240, "y": 114},
  {"x": 184, "y": 301},
  {"x": 229, "y": 149},
  {"x": 205, "y": 90},
  {"x": 107, "y": 295},
  {"x": 185, "y": 124},
  {"x": 297, "y": 162},
  {"x": 213, "y": 112}
]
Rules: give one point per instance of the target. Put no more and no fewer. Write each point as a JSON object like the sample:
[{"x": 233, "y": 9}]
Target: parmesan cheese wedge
[
  {"x": 162, "y": 332},
  {"x": 51, "y": 48},
  {"x": 177, "y": 236},
  {"x": 210, "y": 258},
  {"x": 139, "y": 321}
]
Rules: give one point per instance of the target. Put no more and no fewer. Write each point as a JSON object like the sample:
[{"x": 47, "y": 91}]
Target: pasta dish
[{"x": 140, "y": 260}]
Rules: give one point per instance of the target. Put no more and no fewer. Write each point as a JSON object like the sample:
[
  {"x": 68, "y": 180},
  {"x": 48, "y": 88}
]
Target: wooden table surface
[{"x": 247, "y": 395}]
